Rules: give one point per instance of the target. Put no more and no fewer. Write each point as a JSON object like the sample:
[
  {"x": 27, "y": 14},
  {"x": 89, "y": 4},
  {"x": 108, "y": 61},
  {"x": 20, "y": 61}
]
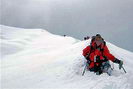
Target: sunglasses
[{"x": 98, "y": 42}]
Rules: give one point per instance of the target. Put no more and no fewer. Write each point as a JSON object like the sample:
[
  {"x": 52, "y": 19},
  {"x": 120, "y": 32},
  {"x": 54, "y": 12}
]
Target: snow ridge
[{"x": 35, "y": 58}]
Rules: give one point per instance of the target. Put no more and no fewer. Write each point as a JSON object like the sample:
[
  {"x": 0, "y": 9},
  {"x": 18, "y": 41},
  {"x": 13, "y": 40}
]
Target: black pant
[
  {"x": 95, "y": 68},
  {"x": 102, "y": 66}
]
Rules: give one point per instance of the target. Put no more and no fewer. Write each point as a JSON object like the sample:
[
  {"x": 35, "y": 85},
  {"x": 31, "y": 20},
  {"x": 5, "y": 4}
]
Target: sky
[{"x": 113, "y": 19}]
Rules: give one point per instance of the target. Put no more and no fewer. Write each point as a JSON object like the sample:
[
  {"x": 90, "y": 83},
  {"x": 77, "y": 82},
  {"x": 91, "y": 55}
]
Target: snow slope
[{"x": 35, "y": 58}]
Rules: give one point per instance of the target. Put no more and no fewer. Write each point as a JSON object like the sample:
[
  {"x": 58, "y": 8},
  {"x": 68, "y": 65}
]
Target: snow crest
[{"x": 35, "y": 58}]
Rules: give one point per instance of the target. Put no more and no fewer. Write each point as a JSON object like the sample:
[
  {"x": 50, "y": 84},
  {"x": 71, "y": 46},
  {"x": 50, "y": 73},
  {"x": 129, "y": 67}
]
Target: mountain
[{"x": 35, "y": 58}]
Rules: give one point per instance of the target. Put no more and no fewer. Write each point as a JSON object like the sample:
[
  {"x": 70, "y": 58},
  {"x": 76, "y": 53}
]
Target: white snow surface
[{"x": 35, "y": 58}]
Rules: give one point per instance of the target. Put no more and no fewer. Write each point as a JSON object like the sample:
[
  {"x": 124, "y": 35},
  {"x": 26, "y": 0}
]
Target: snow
[{"x": 35, "y": 58}]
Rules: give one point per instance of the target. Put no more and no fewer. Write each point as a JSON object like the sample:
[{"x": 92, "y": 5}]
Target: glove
[{"x": 119, "y": 62}]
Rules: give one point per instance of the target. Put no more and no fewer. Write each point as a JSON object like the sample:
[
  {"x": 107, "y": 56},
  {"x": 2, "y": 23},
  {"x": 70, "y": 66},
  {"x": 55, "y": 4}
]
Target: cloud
[{"x": 77, "y": 18}]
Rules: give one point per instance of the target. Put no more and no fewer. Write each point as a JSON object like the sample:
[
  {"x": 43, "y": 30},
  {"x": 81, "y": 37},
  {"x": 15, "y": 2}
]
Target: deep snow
[{"x": 35, "y": 58}]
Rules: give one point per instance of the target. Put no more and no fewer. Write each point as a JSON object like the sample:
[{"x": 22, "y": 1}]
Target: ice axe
[
  {"x": 121, "y": 66},
  {"x": 124, "y": 69},
  {"x": 84, "y": 69}
]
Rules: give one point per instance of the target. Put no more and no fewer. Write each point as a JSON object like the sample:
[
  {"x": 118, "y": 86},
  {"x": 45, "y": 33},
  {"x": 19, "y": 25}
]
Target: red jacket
[{"x": 96, "y": 52}]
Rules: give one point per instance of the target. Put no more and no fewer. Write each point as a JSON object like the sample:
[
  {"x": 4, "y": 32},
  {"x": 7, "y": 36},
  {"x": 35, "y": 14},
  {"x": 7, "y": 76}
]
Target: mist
[{"x": 113, "y": 19}]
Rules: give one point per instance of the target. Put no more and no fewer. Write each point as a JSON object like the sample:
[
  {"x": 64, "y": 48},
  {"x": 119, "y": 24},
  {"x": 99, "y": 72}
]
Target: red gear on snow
[{"x": 95, "y": 52}]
